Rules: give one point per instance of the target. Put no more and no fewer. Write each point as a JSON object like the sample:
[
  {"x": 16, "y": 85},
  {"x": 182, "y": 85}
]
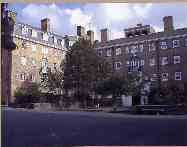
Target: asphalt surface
[{"x": 43, "y": 129}]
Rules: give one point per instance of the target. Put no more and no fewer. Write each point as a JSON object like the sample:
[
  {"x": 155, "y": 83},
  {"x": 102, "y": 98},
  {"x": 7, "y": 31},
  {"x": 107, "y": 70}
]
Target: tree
[
  {"x": 116, "y": 85},
  {"x": 83, "y": 68},
  {"x": 167, "y": 95},
  {"x": 28, "y": 93}
]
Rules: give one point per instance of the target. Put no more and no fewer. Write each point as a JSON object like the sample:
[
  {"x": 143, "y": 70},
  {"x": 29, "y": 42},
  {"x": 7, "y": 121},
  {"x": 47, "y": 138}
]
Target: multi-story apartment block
[
  {"x": 160, "y": 56},
  {"x": 37, "y": 51}
]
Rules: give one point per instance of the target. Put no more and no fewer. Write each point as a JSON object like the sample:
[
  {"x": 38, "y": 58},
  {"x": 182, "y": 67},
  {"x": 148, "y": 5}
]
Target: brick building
[
  {"x": 160, "y": 56},
  {"x": 38, "y": 49}
]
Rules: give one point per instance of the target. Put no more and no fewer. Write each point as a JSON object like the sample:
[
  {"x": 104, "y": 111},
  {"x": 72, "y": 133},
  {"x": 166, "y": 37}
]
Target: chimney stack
[
  {"x": 168, "y": 23},
  {"x": 45, "y": 24},
  {"x": 90, "y": 35},
  {"x": 12, "y": 15},
  {"x": 104, "y": 35},
  {"x": 80, "y": 31}
]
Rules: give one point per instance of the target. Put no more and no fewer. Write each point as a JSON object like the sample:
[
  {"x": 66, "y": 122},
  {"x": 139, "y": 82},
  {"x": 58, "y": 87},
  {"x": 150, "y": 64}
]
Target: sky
[{"x": 116, "y": 17}]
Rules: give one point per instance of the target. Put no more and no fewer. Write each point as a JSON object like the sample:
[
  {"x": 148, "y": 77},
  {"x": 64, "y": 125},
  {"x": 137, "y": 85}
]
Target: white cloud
[
  {"x": 142, "y": 10},
  {"x": 117, "y": 11},
  {"x": 77, "y": 17},
  {"x": 115, "y": 16}
]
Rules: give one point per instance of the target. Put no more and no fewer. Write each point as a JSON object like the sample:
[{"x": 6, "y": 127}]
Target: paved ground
[{"x": 33, "y": 129}]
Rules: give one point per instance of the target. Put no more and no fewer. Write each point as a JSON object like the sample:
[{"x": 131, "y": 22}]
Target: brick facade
[{"x": 159, "y": 54}]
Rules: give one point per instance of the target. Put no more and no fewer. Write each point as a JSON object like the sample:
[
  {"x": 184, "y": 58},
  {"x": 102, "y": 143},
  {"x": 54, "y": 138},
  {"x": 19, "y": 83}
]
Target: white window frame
[
  {"x": 24, "y": 30},
  {"x": 163, "y": 61},
  {"x": 118, "y": 51},
  {"x": 165, "y": 79},
  {"x": 176, "y": 43},
  {"x": 116, "y": 67},
  {"x": 154, "y": 77},
  {"x": 45, "y": 50},
  {"x": 23, "y": 76},
  {"x": 33, "y": 61},
  {"x": 45, "y": 37},
  {"x": 62, "y": 42},
  {"x": 109, "y": 52},
  {"x": 152, "y": 61},
  {"x": 151, "y": 47},
  {"x": 142, "y": 62},
  {"x": 34, "y": 47},
  {"x": 127, "y": 49},
  {"x": 134, "y": 49},
  {"x": 163, "y": 45},
  {"x": 34, "y": 33},
  {"x": 141, "y": 47},
  {"x": 178, "y": 74},
  {"x": 23, "y": 60},
  {"x": 176, "y": 59}
]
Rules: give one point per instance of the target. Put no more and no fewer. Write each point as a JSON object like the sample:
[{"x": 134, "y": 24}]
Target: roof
[{"x": 142, "y": 37}]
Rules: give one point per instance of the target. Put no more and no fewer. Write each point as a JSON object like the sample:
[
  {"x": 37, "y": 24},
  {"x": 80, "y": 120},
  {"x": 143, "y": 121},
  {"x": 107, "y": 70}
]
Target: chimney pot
[
  {"x": 80, "y": 31},
  {"x": 168, "y": 23},
  {"x": 45, "y": 24},
  {"x": 104, "y": 35}
]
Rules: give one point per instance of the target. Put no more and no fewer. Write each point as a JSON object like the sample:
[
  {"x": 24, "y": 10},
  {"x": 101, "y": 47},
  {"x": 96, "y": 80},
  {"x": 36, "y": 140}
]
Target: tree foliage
[
  {"x": 116, "y": 85},
  {"x": 28, "y": 93},
  {"x": 83, "y": 68}
]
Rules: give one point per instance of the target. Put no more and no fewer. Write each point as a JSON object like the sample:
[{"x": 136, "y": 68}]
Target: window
[
  {"x": 142, "y": 62},
  {"x": 45, "y": 37},
  {"x": 154, "y": 77},
  {"x": 33, "y": 47},
  {"x": 176, "y": 43},
  {"x": 152, "y": 62},
  {"x": 22, "y": 76},
  {"x": 32, "y": 77},
  {"x": 34, "y": 33},
  {"x": 141, "y": 47},
  {"x": 17, "y": 76},
  {"x": 163, "y": 45},
  {"x": 134, "y": 49},
  {"x": 33, "y": 61},
  {"x": 178, "y": 76},
  {"x": 164, "y": 60},
  {"x": 117, "y": 65},
  {"x": 100, "y": 52},
  {"x": 127, "y": 50},
  {"x": 118, "y": 51},
  {"x": 45, "y": 50},
  {"x": 24, "y": 30},
  {"x": 30, "y": 32},
  {"x": 62, "y": 42},
  {"x": 23, "y": 60},
  {"x": 44, "y": 65},
  {"x": 164, "y": 76},
  {"x": 59, "y": 42},
  {"x": 55, "y": 41},
  {"x": 70, "y": 43},
  {"x": 152, "y": 47},
  {"x": 42, "y": 35},
  {"x": 109, "y": 52},
  {"x": 176, "y": 59}
]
